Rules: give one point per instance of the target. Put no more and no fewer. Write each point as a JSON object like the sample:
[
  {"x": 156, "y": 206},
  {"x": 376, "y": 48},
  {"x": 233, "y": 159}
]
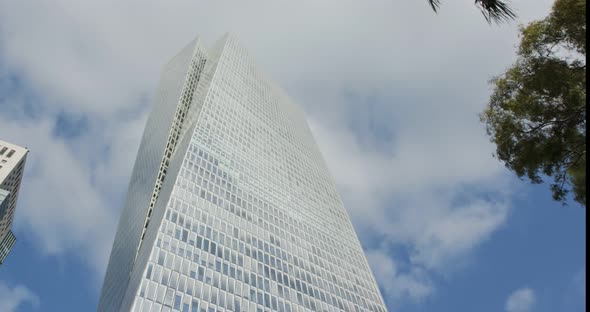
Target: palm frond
[
  {"x": 496, "y": 11},
  {"x": 435, "y": 4}
]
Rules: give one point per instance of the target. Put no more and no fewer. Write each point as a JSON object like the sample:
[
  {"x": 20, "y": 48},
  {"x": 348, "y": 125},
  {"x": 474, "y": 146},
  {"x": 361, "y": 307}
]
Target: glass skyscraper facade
[{"x": 230, "y": 205}]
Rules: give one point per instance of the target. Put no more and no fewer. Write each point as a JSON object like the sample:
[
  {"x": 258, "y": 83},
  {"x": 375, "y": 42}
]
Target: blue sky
[{"x": 392, "y": 92}]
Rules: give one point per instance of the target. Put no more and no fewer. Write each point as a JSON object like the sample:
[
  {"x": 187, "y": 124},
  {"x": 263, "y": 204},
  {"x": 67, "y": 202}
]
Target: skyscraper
[
  {"x": 12, "y": 164},
  {"x": 230, "y": 205}
]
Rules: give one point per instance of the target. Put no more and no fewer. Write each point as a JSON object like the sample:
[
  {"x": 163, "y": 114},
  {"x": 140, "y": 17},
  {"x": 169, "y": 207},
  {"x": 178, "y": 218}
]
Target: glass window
[
  {"x": 169, "y": 297},
  {"x": 177, "y": 302},
  {"x": 195, "y": 306}
]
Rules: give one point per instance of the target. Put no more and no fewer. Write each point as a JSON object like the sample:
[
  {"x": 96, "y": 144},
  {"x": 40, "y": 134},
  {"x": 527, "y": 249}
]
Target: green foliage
[
  {"x": 492, "y": 10},
  {"x": 536, "y": 114}
]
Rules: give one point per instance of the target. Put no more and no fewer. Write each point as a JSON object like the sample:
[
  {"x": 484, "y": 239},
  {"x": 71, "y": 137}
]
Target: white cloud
[
  {"x": 13, "y": 297},
  {"x": 437, "y": 208},
  {"x": 521, "y": 300},
  {"x": 392, "y": 92},
  {"x": 59, "y": 203},
  {"x": 414, "y": 285},
  {"x": 457, "y": 231}
]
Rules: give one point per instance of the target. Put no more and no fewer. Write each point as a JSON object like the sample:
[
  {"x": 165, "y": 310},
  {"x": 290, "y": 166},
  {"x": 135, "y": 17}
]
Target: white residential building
[{"x": 12, "y": 163}]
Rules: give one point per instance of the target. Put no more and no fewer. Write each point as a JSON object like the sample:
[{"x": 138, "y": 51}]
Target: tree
[
  {"x": 492, "y": 10},
  {"x": 536, "y": 114}
]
